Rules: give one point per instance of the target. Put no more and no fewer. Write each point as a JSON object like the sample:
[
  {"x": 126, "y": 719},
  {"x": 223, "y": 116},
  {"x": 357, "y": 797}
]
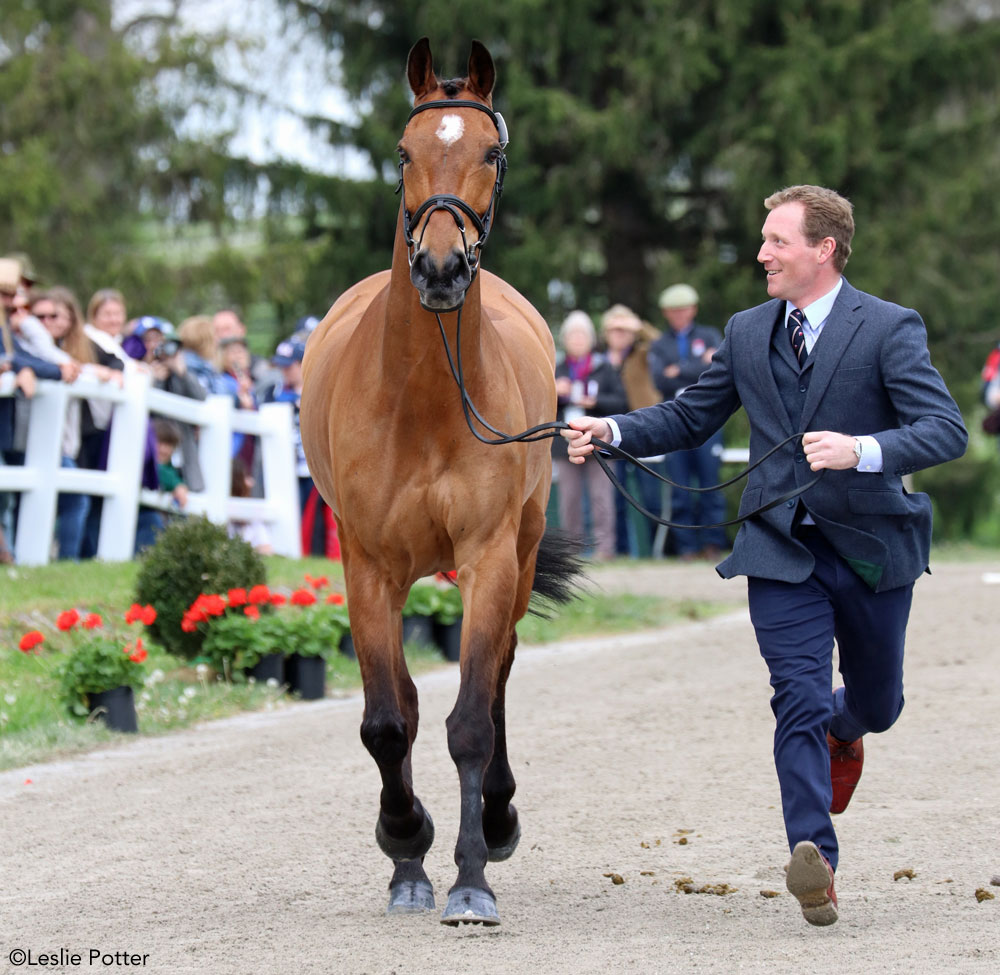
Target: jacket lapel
[{"x": 845, "y": 319}]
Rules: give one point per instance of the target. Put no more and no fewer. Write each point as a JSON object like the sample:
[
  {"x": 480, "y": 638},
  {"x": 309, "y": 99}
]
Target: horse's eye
[
  {"x": 493, "y": 156},
  {"x": 403, "y": 157}
]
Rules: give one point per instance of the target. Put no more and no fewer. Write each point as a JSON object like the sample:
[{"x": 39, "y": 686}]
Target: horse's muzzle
[{"x": 442, "y": 286}]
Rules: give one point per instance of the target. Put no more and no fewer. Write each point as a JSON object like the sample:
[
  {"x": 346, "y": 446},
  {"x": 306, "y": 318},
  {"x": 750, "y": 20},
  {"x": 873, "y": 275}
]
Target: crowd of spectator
[{"x": 46, "y": 335}]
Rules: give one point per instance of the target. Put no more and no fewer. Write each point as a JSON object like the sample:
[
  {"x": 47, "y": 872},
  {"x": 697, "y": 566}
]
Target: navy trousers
[
  {"x": 796, "y": 625},
  {"x": 698, "y": 468}
]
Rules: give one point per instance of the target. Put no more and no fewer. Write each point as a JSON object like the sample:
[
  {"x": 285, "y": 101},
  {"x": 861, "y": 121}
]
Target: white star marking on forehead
[{"x": 450, "y": 130}]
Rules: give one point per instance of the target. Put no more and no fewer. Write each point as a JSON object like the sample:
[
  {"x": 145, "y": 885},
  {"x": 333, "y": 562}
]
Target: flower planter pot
[
  {"x": 347, "y": 646},
  {"x": 307, "y": 677},
  {"x": 116, "y": 708},
  {"x": 270, "y": 665},
  {"x": 418, "y": 629},
  {"x": 448, "y": 636}
]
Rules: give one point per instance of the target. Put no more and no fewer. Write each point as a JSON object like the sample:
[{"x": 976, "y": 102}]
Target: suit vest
[{"x": 792, "y": 383}]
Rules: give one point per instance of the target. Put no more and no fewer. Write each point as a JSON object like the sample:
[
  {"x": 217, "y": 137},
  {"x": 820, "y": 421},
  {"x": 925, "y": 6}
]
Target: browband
[{"x": 496, "y": 117}]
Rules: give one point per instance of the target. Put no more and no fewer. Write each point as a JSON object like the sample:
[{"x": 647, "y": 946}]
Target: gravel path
[{"x": 246, "y": 845}]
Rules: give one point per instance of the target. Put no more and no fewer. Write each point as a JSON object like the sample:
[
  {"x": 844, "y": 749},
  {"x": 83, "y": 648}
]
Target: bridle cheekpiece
[{"x": 453, "y": 204}]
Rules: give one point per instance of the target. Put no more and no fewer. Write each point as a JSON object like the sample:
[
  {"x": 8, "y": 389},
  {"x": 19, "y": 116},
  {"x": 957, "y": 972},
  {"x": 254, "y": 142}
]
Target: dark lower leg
[{"x": 500, "y": 827}]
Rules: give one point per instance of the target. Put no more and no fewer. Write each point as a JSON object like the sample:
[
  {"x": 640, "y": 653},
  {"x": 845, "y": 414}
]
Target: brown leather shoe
[
  {"x": 810, "y": 880},
  {"x": 847, "y": 758}
]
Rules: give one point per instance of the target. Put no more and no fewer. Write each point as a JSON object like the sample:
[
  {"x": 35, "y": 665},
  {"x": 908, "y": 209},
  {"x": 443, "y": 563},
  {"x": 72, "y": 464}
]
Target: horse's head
[{"x": 451, "y": 173}]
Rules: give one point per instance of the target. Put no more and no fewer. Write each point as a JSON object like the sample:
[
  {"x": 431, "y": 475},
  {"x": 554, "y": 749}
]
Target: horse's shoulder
[{"x": 504, "y": 303}]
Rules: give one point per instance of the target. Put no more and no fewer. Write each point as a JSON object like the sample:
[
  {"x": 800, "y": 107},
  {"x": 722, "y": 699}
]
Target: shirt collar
[{"x": 819, "y": 311}]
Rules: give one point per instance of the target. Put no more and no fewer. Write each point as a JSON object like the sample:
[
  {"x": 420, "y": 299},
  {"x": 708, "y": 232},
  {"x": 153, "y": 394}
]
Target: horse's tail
[{"x": 559, "y": 570}]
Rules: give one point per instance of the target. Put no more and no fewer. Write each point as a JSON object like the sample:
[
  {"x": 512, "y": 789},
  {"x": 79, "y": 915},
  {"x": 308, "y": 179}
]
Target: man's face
[
  {"x": 291, "y": 375},
  {"x": 680, "y": 318},
  {"x": 227, "y": 325},
  {"x": 794, "y": 266}
]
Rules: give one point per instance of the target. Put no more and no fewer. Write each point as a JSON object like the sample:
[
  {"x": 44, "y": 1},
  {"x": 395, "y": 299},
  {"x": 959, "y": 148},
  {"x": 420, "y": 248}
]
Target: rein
[
  {"x": 450, "y": 203},
  {"x": 456, "y": 206},
  {"x": 550, "y": 430}
]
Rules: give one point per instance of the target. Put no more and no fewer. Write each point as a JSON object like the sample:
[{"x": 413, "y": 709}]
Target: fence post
[
  {"x": 281, "y": 485},
  {"x": 43, "y": 454},
  {"x": 126, "y": 454},
  {"x": 215, "y": 454}
]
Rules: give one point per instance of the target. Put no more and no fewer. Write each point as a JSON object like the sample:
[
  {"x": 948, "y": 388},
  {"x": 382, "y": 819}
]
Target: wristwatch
[{"x": 857, "y": 451}]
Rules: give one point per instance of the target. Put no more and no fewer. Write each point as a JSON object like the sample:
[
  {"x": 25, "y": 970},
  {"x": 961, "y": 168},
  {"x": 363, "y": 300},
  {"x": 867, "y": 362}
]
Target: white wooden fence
[{"x": 41, "y": 479}]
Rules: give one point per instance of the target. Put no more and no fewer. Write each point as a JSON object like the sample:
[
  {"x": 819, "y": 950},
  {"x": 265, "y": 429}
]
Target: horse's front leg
[
  {"x": 404, "y": 830},
  {"x": 488, "y": 590}
]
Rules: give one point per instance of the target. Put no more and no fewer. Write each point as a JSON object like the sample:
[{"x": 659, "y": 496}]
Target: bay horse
[{"x": 414, "y": 492}]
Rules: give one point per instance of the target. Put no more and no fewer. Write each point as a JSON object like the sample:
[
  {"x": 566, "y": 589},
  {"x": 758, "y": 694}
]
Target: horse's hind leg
[
  {"x": 404, "y": 830},
  {"x": 501, "y": 828}
]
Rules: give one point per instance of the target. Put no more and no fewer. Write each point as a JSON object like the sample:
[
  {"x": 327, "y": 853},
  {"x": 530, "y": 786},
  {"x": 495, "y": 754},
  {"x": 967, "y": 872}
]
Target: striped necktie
[{"x": 796, "y": 336}]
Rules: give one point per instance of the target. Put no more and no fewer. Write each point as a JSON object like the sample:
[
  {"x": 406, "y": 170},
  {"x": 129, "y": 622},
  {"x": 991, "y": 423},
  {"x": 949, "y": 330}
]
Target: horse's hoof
[
  {"x": 411, "y": 848},
  {"x": 411, "y": 897},
  {"x": 469, "y": 905},
  {"x": 503, "y": 852}
]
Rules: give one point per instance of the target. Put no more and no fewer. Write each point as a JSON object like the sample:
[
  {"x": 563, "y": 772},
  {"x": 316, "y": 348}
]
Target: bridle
[
  {"x": 449, "y": 202},
  {"x": 543, "y": 431}
]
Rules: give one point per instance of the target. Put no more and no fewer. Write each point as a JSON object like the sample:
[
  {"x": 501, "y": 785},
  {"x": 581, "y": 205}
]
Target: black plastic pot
[
  {"x": 418, "y": 629},
  {"x": 270, "y": 665},
  {"x": 448, "y": 636},
  {"x": 306, "y": 677},
  {"x": 116, "y": 708}
]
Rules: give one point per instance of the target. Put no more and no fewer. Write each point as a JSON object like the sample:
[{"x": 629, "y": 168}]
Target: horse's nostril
[{"x": 452, "y": 274}]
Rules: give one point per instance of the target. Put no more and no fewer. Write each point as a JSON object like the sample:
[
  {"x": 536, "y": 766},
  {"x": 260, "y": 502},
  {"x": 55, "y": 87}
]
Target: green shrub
[
  {"x": 449, "y": 607},
  {"x": 191, "y": 557},
  {"x": 422, "y": 600}
]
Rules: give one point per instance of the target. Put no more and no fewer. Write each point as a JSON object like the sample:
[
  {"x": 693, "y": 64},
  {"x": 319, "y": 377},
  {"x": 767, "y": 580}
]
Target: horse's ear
[
  {"x": 482, "y": 74},
  {"x": 420, "y": 68}
]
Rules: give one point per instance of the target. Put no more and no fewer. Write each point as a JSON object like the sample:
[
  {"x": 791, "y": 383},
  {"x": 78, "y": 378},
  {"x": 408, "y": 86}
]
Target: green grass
[{"x": 35, "y": 725}]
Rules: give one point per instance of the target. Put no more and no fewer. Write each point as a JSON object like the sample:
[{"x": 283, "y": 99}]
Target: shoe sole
[{"x": 808, "y": 881}]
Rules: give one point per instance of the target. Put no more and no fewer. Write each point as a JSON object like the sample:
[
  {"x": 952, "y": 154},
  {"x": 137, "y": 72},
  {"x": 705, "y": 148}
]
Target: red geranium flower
[
  {"x": 319, "y": 582},
  {"x": 92, "y": 622},
  {"x": 252, "y": 611},
  {"x": 188, "y": 624},
  {"x": 335, "y": 599},
  {"x": 303, "y": 597},
  {"x": 259, "y": 594},
  {"x": 67, "y": 619},
  {"x": 211, "y": 605},
  {"x": 145, "y": 614},
  {"x": 237, "y": 597},
  {"x": 30, "y": 640},
  {"x": 277, "y": 599},
  {"x": 138, "y": 655}
]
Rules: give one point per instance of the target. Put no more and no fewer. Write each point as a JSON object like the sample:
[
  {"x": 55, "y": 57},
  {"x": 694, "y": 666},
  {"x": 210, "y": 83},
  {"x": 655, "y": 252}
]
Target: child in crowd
[
  {"x": 254, "y": 531},
  {"x": 168, "y": 439}
]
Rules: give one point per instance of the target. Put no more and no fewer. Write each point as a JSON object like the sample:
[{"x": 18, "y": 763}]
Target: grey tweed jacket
[{"x": 868, "y": 373}]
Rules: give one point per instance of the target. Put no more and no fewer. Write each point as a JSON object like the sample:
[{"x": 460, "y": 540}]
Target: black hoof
[
  {"x": 412, "y": 847},
  {"x": 505, "y": 850},
  {"x": 411, "y": 897},
  {"x": 469, "y": 905}
]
